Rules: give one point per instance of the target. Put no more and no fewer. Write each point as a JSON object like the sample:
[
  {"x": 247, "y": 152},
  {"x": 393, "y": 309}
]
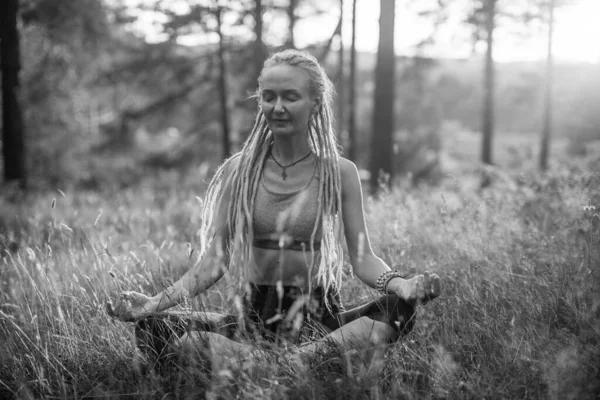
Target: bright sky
[{"x": 576, "y": 31}]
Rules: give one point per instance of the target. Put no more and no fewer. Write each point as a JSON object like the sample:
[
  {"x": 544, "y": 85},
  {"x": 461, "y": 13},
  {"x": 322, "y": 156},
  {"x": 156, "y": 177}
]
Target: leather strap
[{"x": 297, "y": 245}]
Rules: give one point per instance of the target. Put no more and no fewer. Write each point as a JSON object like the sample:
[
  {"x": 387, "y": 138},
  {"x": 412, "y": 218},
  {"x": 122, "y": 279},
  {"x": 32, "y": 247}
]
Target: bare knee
[
  {"x": 193, "y": 343},
  {"x": 186, "y": 340},
  {"x": 380, "y": 333}
]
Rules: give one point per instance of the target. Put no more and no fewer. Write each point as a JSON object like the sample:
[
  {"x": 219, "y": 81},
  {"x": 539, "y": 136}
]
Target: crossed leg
[
  {"x": 208, "y": 337},
  {"x": 363, "y": 334},
  {"x": 370, "y": 327}
]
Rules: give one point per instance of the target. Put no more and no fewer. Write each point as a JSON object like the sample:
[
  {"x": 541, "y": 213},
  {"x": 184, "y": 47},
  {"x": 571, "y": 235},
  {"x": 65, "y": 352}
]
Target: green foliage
[
  {"x": 92, "y": 88},
  {"x": 518, "y": 318},
  {"x": 60, "y": 41}
]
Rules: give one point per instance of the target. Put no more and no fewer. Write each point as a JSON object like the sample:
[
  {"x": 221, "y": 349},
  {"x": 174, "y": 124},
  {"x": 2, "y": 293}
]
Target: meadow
[{"x": 519, "y": 316}]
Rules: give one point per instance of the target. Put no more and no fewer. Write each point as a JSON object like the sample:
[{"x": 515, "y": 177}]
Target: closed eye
[
  {"x": 288, "y": 95},
  {"x": 268, "y": 97}
]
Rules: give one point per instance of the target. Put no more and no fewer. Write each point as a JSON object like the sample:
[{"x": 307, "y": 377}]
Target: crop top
[{"x": 290, "y": 214}]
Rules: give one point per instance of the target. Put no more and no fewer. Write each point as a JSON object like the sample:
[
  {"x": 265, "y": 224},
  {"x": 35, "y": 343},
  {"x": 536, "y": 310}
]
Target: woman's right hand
[{"x": 130, "y": 306}]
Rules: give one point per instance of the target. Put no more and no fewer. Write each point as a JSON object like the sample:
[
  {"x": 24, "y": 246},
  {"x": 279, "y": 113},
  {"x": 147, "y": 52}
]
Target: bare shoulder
[
  {"x": 348, "y": 169},
  {"x": 349, "y": 175}
]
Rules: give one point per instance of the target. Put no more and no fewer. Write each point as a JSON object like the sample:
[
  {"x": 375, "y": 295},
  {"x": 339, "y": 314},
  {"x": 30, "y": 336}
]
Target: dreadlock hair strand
[{"x": 245, "y": 179}]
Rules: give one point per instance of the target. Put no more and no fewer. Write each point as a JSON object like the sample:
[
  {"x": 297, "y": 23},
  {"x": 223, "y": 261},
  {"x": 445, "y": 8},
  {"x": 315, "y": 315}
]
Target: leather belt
[{"x": 297, "y": 245}]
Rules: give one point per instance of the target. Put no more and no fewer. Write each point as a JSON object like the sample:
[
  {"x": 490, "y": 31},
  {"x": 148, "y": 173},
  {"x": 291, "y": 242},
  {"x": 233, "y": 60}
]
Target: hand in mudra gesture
[
  {"x": 129, "y": 306},
  {"x": 420, "y": 288}
]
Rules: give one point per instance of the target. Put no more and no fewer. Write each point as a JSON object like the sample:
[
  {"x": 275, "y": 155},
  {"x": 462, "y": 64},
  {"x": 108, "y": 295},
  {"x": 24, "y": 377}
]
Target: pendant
[{"x": 284, "y": 174}]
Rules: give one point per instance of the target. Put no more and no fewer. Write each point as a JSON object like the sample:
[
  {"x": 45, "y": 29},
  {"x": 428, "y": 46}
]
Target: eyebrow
[{"x": 286, "y": 91}]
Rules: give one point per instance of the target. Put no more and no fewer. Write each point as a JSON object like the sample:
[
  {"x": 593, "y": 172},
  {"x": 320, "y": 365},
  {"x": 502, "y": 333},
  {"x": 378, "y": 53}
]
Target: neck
[{"x": 289, "y": 149}]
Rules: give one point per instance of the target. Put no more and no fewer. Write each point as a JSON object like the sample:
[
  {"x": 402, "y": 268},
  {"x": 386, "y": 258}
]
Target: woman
[{"x": 278, "y": 212}]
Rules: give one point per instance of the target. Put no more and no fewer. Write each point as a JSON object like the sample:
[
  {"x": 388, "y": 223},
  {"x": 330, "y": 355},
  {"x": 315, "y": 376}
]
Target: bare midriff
[{"x": 291, "y": 267}]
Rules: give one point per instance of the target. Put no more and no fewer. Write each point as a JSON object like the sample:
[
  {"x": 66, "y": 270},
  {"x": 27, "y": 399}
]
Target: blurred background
[
  {"x": 484, "y": 113},
  {"x": 107, "y": 93}
]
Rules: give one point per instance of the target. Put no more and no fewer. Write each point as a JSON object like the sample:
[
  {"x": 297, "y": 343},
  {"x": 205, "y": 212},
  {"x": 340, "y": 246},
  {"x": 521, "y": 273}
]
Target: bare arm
[
  {"x": 204, "y": 273},
  {"x": 366, "y": 265},
  {"x": 197, "y": 279},
  {"x": 211, "y": 268}
]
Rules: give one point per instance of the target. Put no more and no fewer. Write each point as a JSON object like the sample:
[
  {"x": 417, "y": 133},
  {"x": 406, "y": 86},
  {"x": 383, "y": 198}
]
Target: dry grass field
[{"x": 519, "y": 317}]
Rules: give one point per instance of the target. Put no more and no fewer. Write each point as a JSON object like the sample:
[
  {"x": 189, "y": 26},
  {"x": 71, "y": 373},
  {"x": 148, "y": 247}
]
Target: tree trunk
[
  {"x": 259, "y": 46},
  {"x": 547, "y": 130},
  {"x": 223, "y": 89},
  {"x": 341, "y": 75},
  {"x": 488, "y": 106},
  {"x": 382, "y": 155},
  {"x": 13, "y": 146},
  {"x": 290, "y": 43},
  {"x": 352, "y": 135}
]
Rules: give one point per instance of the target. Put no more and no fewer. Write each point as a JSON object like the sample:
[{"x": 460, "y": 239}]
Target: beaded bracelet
[{"x": 384, "y": 278}]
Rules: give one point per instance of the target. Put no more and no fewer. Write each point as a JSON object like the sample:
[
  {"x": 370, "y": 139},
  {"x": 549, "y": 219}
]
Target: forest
[{"x": 116, "y": 114}]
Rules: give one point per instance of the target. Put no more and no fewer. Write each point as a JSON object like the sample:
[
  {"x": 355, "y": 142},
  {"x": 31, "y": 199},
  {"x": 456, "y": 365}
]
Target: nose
[{"x": 278, "y": 107}]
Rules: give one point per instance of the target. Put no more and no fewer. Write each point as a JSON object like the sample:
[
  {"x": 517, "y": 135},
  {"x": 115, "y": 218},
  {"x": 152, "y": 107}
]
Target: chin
[{"x": 282, "y": 131}]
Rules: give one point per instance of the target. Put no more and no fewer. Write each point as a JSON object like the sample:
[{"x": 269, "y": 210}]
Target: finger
[
  {"x": 420, "y": 292},
  {"x": 426, "y": 280},
  {"x": 436, "y": 286}
]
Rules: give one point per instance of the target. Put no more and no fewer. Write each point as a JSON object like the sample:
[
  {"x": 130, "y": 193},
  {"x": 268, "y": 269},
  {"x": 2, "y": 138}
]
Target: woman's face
[{"x": 285, "y": 99}]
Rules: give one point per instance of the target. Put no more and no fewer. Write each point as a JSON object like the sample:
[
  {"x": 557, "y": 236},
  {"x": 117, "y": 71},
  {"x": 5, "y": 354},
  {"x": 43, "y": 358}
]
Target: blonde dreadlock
[{"x": 245, "y": 179}]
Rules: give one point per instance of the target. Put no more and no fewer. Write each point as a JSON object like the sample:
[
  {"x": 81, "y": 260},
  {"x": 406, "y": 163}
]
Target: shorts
[{"x": 295, "y": 318}]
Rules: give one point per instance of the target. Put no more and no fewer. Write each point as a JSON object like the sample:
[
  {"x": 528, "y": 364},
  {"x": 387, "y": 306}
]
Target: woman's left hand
[
  {"x": 417, "y": 290},
  {"x": 130, "y": 306}
]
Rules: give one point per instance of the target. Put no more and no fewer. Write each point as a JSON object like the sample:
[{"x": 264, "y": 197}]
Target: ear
[{"x": 316, "y": 104}]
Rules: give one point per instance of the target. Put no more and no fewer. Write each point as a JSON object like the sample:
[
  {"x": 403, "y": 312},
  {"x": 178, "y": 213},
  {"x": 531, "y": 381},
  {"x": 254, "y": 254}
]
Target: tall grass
[{"x": 518, "y": 318}]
